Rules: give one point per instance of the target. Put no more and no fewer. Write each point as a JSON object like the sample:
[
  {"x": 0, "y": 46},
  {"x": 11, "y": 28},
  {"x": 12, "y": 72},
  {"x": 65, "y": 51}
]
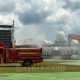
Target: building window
[
  {"x": 52, "y": 52},
  {"x": 68, "y": 52},
  {"x": 47, "y": 52},
  {"x": 44, "y": 52},
  {"x": 76, "y": 52},
  {"x": 71, "y": 52}
]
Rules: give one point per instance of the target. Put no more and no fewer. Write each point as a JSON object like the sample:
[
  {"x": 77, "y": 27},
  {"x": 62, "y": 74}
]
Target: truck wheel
[{"x": 27, "y": 63}]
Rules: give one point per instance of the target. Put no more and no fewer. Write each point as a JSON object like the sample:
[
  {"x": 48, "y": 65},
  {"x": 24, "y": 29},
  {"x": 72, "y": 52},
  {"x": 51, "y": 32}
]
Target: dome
[
  {"x": 60, "y": 36},
  {"x": 46, "y": 42},
  {"x": 56, "y": 48},
  {"x": 61, "y": 33},
  {"x": 74, "y": 42},
  {"x": 60, "y": 39}
]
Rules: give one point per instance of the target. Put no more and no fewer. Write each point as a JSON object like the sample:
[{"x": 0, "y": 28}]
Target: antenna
[
  {"x": 13, "y": 41},
  {"x": 60, "y": 28},
  {"x": 13, "y": 22}
]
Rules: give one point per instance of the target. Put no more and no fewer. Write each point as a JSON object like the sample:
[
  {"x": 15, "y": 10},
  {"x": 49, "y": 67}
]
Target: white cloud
[
  {"x": 37, "y": 20},
  {"x": 7, "y": 6},
  {"x": 30, "y": 34},
  {"x": 21, "y": 6},
  {"x": 60, "y": 14},
  {"x": 7, "y": 18}
]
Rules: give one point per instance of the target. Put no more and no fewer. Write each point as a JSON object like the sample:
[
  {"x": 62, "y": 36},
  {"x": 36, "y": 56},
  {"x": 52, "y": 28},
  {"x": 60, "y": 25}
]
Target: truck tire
[{"x": 27, "y": 63}]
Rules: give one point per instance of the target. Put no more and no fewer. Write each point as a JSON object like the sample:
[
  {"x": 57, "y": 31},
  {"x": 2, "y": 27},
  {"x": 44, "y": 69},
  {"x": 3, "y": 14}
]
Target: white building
[
  {"x": 60, "y": 49},
  {"x": 60, "y": 39}
]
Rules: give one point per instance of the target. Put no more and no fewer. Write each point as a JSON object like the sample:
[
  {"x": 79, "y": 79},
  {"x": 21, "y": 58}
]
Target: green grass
[
  {"x": 48, "y": 70},
  {"x": 41, "y": 76},
  {"x": 46, "y": 66}
]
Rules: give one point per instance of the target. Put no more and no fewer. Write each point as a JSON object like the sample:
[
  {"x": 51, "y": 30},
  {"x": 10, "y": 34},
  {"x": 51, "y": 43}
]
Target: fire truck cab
[{"x": 24, "y": 56}]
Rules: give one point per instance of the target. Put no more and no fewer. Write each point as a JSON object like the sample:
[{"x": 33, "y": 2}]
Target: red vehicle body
[{"x": 25, "y": 56}]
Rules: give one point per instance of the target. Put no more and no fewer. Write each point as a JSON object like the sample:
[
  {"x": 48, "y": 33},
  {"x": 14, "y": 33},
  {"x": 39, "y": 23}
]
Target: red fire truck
[{"x": 24, "y": 56}]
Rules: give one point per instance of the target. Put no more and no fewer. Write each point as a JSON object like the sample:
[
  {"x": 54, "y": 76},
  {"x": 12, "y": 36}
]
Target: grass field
[
  {"x": 48, "y": 70},
  {"x": 46, "y": 66},
  {"x": 41, "y": 76}
]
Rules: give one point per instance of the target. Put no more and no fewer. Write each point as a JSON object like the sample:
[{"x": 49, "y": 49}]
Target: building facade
[
  {"x": 61, "y": 49},
  {"x": 73, "y": 36},
  {"x": 6, "y": 35}
]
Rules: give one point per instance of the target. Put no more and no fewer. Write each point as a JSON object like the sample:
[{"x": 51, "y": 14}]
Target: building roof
[
  {"x": 60, "y": 36},
  {"x": 76, "y": 37},
  {"x": 6, "y": 26},
  {"x": 27, "y": 46},
  {"x": 74, "y": 42}
]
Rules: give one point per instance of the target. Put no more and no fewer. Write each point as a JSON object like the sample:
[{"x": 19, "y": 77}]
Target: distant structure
[
  {"x": 73, "y": 36},
  {"x": 60, "y": 39},
  {"x": 47, "y": 43},
  {"x": 61, "y": 48},
  {"x": 6, "y": 35}
]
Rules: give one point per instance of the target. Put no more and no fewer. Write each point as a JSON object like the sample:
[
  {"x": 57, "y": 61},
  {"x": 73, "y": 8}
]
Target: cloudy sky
[{"x": 40, "y": 20}]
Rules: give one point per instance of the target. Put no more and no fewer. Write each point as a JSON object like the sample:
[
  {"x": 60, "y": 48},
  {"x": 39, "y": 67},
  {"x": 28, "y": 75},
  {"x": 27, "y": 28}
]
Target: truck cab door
[{"x": 1, "y": 55}]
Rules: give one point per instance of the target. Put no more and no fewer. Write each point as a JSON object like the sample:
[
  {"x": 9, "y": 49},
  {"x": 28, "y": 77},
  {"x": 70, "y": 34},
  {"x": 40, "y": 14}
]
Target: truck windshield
[{"x": 1, "y": 51}]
